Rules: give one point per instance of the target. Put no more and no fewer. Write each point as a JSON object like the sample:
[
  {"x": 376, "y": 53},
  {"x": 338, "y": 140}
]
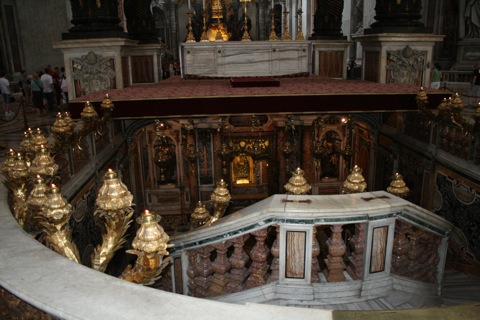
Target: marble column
[
  {"x": 259, "y": 254},
  {"x": 238, "y": 260},
  {"x": 336, "y": 250},
  {"x": 356, "y": 259},
  {"x": 221, "y": 266},
  {"x": 203, "y": 272}
]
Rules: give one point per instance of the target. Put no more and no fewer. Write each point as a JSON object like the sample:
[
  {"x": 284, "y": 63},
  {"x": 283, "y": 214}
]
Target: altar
[{"x": 245, "y": 59}]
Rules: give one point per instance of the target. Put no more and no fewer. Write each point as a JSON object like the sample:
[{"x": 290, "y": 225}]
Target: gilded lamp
[
  {"x": 355, "y": 182},
  {"x": 297, "y": 184}
]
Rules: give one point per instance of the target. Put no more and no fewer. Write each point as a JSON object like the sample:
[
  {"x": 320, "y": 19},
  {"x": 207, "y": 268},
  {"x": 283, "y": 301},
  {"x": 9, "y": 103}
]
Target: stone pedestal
[
  {"x": 398, "y": 58},
  {"x": 111, "y": 63},
  {"x": 330, "y": 58},
  {"x": 468, "y": 53}
]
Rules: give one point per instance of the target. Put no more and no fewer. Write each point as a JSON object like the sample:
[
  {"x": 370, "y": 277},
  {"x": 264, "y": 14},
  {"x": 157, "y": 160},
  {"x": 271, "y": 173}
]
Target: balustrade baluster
[
  {"x": 203, "y": 272},
  {"x": 191, "y": 271},
  {"x": 356, "y": 260},
  {"x": 238, "y": 260},
  {"x": 221, "y": 266},
  {"x": 315, "y": 278},
  {"x": 259, "y": 254},
  {"x": 336, "y": 250},
  {"x": 401, "y": 246},
  {"x": 275, "y": 266}
]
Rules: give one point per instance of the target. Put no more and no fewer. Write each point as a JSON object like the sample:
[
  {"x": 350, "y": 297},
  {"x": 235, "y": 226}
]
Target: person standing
[
  {"x": 435, "y": 76},
  {"x": 476, "y": 83},
  {"x": 64, "y": 89},
  {"x": 47, "y": 82},
  {"x": 6, "y": 93},
  {"x": 36, "y": 86}
]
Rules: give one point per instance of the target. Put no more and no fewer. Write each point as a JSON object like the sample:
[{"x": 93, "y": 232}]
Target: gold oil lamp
[
  {"x": 9, "y": 162},
  {"x": 26, "y": 145},
  {"x": 107, "y": 107},
  {"x": 355, "y": 182},
  {"x": 200, "y": 216},
  {"x": 43, "y": 164},
  {"x": 89, "y": 117},
  {"x": 39, "y": 140},
  {"x": 114, "y": 203},
  {"x": 36, "y": 200},
  {"x": 220, "y": 199},
  {"x": 398, "y": 187},
  {"x": 55, "y": 215},
  {"x": 62, "y": 131},
  {"x": 422, "y": 100},
  {"x": 150, "y": 245},
  {"x": 17, "y": 182},
  {"x": 297, "y": 184}
]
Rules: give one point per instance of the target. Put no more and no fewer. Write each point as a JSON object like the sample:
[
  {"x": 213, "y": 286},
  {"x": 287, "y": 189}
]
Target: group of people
[
  {"x": 45, "y": 91},
  {"x": 47, "y": 88}
]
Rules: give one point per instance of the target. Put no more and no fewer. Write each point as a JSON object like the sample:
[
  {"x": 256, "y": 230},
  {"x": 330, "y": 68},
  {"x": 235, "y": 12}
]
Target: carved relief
[
  {"x": 93, "y": 73},
  {"x": 406, "y": 66}
]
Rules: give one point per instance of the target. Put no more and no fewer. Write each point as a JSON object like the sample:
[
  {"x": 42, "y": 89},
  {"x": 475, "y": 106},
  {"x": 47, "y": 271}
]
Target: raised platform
[{"x": 310, "y": 94}]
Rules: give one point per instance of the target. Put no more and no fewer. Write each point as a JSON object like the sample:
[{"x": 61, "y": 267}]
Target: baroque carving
[
  {"x": 93, "y": 73},
  {"x": 406, "y": 66}
]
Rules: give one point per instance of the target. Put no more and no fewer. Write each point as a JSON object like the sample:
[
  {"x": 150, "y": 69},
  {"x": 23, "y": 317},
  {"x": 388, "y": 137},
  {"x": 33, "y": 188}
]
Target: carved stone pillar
[
  {"x": 356, "y": 262},
  {"x": 401, "y": 246},
  {"x": 275, "y": 266},
  {"x": 259, "y": 254},
  {"x": 315, "y": 252},
  {"x": 336, "y": 250},
  {"x": 221, "y": 266},
  {"x": 238, "y": 260},
  {"x": 203, "y": 271}
]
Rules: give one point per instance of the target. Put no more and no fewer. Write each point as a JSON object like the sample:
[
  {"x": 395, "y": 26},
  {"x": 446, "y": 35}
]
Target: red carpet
[{"x": 314, "y": 94}]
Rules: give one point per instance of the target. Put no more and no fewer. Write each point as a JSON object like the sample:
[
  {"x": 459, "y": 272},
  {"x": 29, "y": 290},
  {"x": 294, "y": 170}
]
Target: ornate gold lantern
[
  {"x": 355, "y": 183},
  {"x": 113, "y": 194}
]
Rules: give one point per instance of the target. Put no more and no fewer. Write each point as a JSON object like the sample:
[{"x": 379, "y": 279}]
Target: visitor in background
[
  {"x": 6, "y": 93},
  {"x": 64, "y": 89},
  {"x": 47, "y": 83},
  {"x": 24, "y": 85},
  {"x": 435, "y": 76},
  {"x": 36, "y": 86},
  {"x": 476, "y": 83},
  {"x": 56, "y": 87}
]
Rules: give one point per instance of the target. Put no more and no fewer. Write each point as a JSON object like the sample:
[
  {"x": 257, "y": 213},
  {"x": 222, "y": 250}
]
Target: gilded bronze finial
[{"x": 355, "y": 182}]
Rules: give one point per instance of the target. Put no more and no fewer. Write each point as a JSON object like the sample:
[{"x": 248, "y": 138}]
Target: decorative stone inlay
[
  {"x": 93, "y": 73},
  {"x": 406, "y": 66}
]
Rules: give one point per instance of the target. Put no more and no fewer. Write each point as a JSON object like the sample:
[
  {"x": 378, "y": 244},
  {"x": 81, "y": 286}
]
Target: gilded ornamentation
[
  {"x": 150, "y": 245},
  {"x": 114, "y": 203},
  {"x": 398, "y": 187},
  {"x": 54, "y": 219},
  {"x": 355, "y": 183},
  {"x": 297, "y": 184},
  {"x": 43, "y": 164},
  {"x": 220, "y": 199},
  {"x": 200, "y": 216}
]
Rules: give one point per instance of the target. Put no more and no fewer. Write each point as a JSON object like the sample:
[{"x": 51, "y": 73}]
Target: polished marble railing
[{"x": 313, "y": 241}]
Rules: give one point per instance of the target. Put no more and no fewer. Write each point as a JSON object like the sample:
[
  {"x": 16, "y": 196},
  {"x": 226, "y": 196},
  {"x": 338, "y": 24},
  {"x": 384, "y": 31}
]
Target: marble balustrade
[{"x": 314, "y": 240}]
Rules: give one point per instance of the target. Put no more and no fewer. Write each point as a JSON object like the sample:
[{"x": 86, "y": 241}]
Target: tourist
[
  {"x": 47, "y": 82},
  {"x": 36, "y": 86},
  {"x": 56, "y": 86},
  {"x": 64, "y": 89},
  {"x": 6, "y": 93},
  {"x": 435, "y": 77}
]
